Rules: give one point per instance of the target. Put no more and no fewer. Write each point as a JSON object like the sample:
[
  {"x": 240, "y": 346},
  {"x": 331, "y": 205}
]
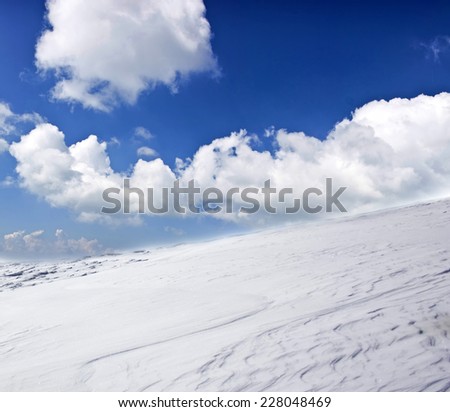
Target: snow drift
[{"x": 354, "y": 304}]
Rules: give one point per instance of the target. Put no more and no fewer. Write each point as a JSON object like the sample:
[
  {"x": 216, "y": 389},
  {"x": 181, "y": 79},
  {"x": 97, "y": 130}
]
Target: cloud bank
[
  {"x": 389, "y": 153},
  {"x": 106, "y": 51}
]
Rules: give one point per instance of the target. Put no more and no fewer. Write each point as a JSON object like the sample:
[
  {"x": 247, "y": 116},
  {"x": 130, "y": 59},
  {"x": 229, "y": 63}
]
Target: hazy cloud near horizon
[{"x": 22, "y": 243}]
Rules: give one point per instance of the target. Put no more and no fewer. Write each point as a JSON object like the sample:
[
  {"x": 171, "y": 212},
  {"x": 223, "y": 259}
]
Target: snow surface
[{"x": 359, "y": 303}]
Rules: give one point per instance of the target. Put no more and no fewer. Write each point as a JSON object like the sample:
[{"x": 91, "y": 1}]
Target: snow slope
[{"x": 360, "y": 303}]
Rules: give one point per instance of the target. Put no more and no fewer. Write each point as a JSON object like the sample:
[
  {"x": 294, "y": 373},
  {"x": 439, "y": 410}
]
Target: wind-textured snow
[{"x": 352, "y": 304}]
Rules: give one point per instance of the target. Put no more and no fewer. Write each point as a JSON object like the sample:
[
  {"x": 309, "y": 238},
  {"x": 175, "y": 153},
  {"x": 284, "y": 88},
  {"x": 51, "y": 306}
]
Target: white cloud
[
  {"x": 12, "y": 241},
  {"x": 388, "y": 153},
  {"x": 436, "y": 47},
  {"x": 104, "y": 51},
  {"x": 143, "y": 133},
  {"x": 8, "y": 181},
  {"x": 10, "y": 122},
  {"x": 23, "y": 243},
  {"x": 146, "y": 151},
  {"x": 64, "y": 245},
  {"x": 4, "y": 146},
  {"x": 75, "y": 177},
  {"x": 5, "y": 119},
  {"x": 33, "y": 240},
  {"x": 114, "y": 141}
]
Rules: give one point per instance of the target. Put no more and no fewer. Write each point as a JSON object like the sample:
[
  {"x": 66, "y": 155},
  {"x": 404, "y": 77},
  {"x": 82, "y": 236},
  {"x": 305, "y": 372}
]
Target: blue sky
[{"x": 296, "y": 65}]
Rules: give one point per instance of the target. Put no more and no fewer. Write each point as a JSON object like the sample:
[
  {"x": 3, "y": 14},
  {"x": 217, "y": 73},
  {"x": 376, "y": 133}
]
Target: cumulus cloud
[
  {"x": 75, "y": 177},
  {"x": 23, "y": 243},
  {"x": 106, "y": 51},
  {"x": 388, "y": 153},
  {"x": 145, "y": 151},
  {"x": 64, "y": 176}
]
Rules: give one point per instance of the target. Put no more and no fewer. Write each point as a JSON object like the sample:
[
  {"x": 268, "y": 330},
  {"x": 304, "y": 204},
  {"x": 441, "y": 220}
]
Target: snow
[{"x": 351, "y": 304}]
